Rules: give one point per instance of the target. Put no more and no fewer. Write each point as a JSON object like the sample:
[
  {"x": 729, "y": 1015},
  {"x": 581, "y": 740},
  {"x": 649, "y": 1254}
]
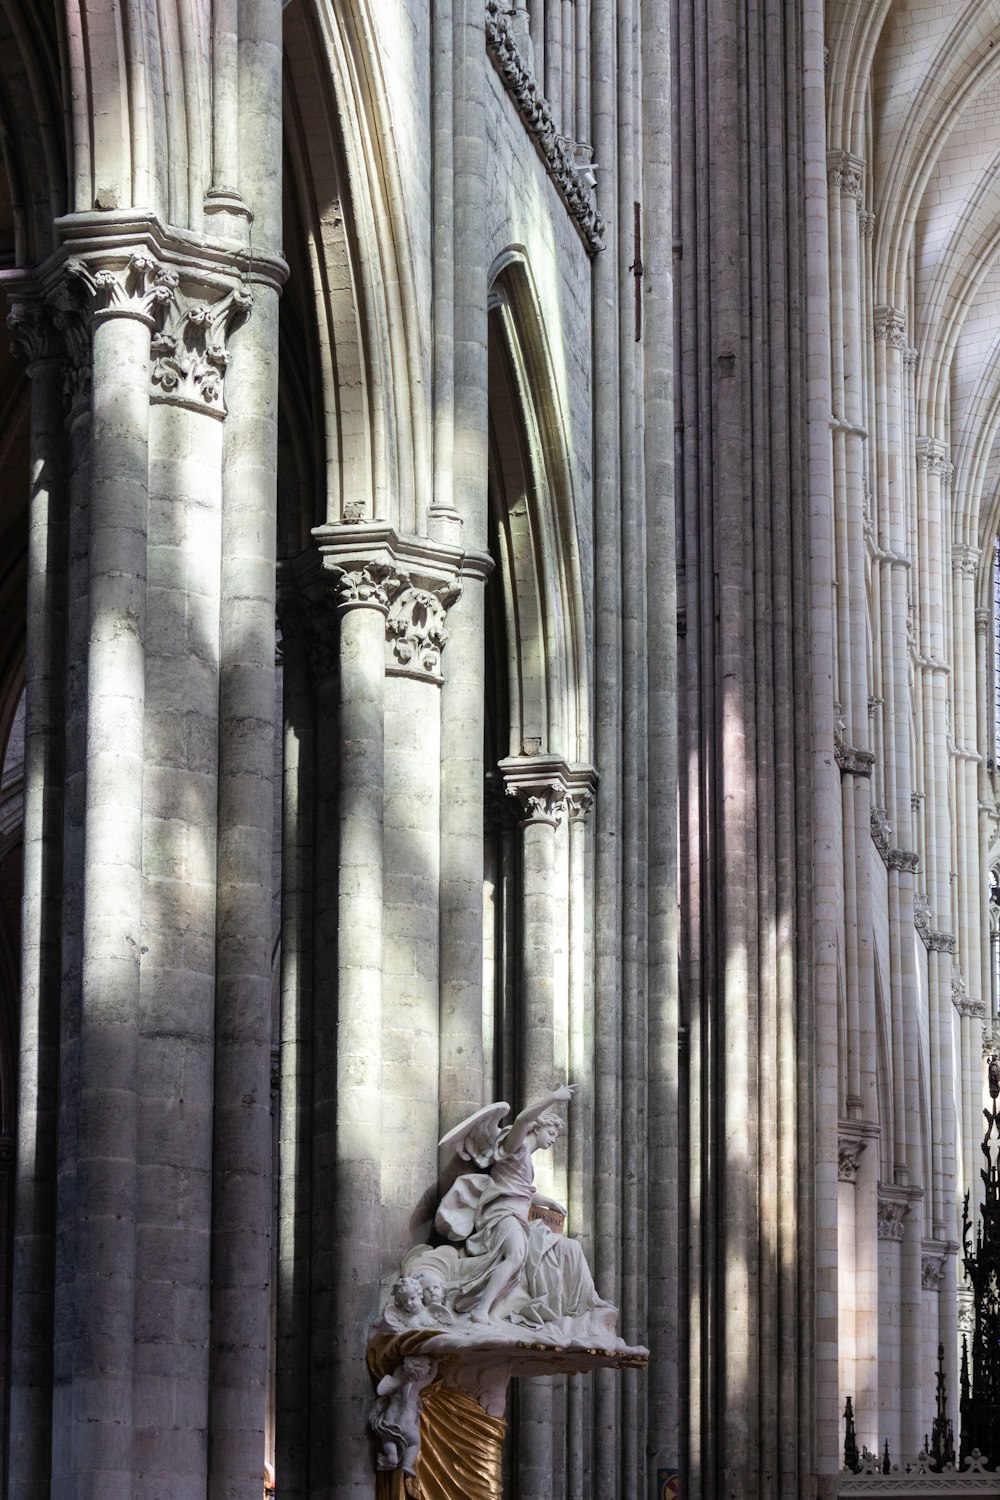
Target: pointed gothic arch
[
  {"x": 349, "y": 241},
  {"x": 536, "y": 528}
]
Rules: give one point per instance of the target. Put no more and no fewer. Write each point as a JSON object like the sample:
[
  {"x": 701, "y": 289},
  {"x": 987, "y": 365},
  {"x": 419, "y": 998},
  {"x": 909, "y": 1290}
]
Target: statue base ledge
[{"x": 511, "y": 1351}]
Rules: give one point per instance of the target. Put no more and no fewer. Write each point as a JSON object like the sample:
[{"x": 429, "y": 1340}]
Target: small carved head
[
  {"x": 433, "y": 1288},
  {"x": 408, "y": 1295}
]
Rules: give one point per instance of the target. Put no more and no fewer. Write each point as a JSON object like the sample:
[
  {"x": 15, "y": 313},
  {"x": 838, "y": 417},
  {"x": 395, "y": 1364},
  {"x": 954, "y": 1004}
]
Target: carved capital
[
  {"x": 415, "y": 631},
  {"x": 311, "y": 625},
  {"x": 846, "y": 175},
  {"x": 500, "y": 812},
  {"x": 851, "y": 760},
  {"x": 965, "y": 559},
  {"x": 881, "y": 831},
  {"x": 141, "y": 289},
  {"x": 903, "y": 859},
  {"x": 963, "y": 1002},
  {"x": 932, "y": 455},
  {"x": 932, "y": 1265},
  {"x": 580, "y": 804},
  {"x": 866, "y": 222},
  {"x": 540, "y": 785},
  {"x": 189, "y": 353},
  {"x": 35, "y": 336},
  {"x": 890, "y": 327},
  {"x": 543, "y": 804},
  {"x": 893, "y": 1208},
  {"x": 849, "y": 1152},
  {"x": 853, "y": 1136},
  {"x": 982, "y": 621},
  {"x": 370, "y": 585}
]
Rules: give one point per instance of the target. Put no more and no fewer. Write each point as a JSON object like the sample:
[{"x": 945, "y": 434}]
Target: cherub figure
[
  {"x": 434, "y": 1269},
  {"x": 395, "y": 1417},
  {"x": 516, "y": 1269},
  {"x": 406, "y": 1310}
]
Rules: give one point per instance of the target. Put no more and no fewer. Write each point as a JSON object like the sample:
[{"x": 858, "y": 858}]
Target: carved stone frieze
[
  {"x": 415, "y": 631},
  {"x": 890, "y": 327},
  {"x": 189, "y": 353},
  {"x": 567, "y": 162}
]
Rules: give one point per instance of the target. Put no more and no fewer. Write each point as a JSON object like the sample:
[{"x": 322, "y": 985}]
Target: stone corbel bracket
[{"x": 565, "y": 160}]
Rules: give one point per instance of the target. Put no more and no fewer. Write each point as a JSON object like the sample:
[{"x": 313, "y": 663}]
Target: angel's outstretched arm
[{"x": 521, "y": 1128}]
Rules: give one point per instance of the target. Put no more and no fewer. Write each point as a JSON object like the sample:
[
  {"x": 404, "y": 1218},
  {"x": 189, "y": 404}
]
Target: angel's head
[
  {"x": 408, "y": 1294},
  {"x": 432, "y": 1288},
  {"x": 548, "y": 1128}
]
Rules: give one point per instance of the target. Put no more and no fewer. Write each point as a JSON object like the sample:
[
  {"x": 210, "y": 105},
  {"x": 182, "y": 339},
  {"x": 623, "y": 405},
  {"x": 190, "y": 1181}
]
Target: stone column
[
  {"x": 34, "y": 1168},
  {"x": 893, "y": 1206},
  {"x": 308, "y": 653},
  {"x": 178, "y": 1128},
  {"x": 98, "y": 1445},
  {"x": 241, "y": 1156},
  {"x": 580, "y": 1164},
  {"x": 75, "y": 323},
  {"x": 540, "y": 785},
  {"x": 416, "y": 637},
  {"x": 461, "y": 958},
  {"x": 363, "y": 595}
]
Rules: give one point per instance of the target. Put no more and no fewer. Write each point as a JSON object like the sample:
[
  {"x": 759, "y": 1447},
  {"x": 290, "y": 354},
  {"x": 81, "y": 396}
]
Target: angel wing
[{"x": 476, "y": 1138}]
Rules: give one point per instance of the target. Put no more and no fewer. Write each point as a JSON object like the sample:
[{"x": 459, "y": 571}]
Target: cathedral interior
[{"x": 499, "y": 590}]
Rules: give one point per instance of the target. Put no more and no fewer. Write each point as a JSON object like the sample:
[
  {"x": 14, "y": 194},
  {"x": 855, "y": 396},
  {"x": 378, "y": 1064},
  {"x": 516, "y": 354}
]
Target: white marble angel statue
[{"x": 515, "y": 1269}]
